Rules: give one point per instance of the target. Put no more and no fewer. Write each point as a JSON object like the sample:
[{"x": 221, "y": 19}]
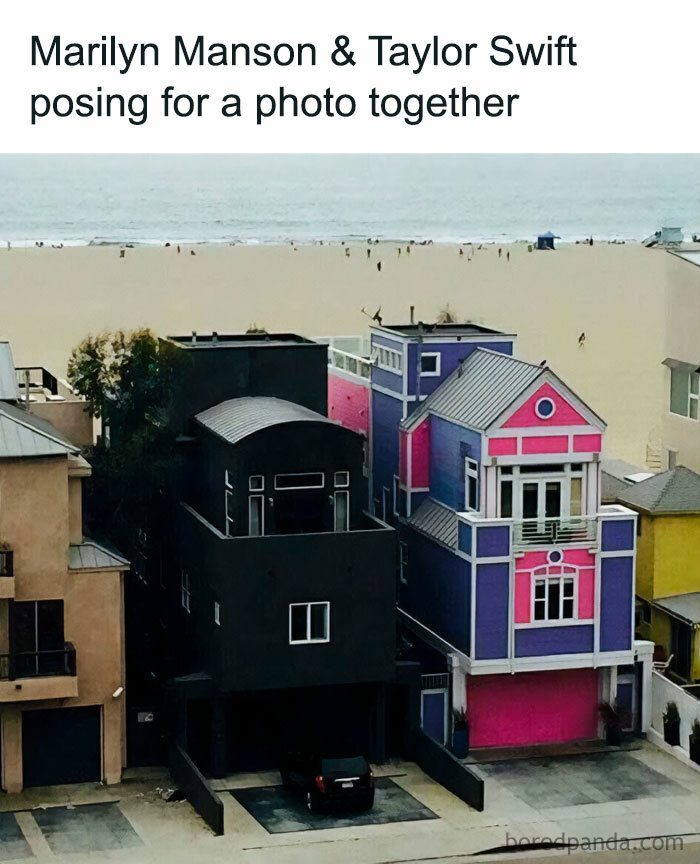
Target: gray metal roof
[
  {"x": 22, "y": 434},
  {"x": 235, "y": 419},
  {"x": 480, "y": 389},
  {"x": 675, "y": 491},
  {"x": 91, "y": 556},
  {"x": 685, "y": 606},
  {"x": 437, "y": 521},
  {"x": 8, "y": 376}
]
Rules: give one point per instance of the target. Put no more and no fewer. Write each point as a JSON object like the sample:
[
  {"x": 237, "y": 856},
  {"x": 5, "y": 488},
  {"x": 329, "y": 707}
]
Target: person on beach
[
  {"x": 369, "y": 252},
  {"x": 192, "y": 252},
  {"x": 408, "y": 250},
  {"x": 347, "y": 252},
  {"x": 499, "y": 251},
  {"x": 461, "y": 252},
  {"x": 122, "y": 253},
  {"x": 178, "y": 248},
  {"x": 399, "y": 251},
  {"x": 508, "y": 255},
  {"x": 379, "y": 266}
]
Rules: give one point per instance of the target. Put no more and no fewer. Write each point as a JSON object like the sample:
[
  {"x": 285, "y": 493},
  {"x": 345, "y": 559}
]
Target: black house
[{"x": 277, "y": 593}]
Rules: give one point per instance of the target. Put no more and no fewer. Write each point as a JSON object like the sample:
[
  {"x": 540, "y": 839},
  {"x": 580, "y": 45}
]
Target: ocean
[{"x": 256, "y": 199}]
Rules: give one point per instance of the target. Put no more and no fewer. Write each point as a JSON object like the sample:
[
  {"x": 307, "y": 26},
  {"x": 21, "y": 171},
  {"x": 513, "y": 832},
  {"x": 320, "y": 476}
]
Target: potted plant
[
  {"x": 672, "y": 725},
  {"x": 460, "y": 733},
  {"x": 613, "y": 724},
  {"x": 694, "y": 742}
]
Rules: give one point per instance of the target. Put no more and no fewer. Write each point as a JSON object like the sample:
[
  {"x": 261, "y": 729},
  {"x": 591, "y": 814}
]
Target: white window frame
[
  {"x": 262, "y": 515},
  {"x": 309, "y": 640},
  {"x": 396, "y": 491},
  {"x": 185, "y": 592},
  {"x": 390, "y": 360},
  {"x": 544, "y": 574},
  {"x": 227, "y": 479},
  {"x": 320, "y": 485},
  {"x": 252, "y": 487},
  {"x": 228, "y": 520},
  {"x": 217, "y": 613},
  {"x": 336, "y": 496},
  {"x": 341, "y": 479},
  {"x": 471, "y": 469},
  {"x": 438, "y": 359}
]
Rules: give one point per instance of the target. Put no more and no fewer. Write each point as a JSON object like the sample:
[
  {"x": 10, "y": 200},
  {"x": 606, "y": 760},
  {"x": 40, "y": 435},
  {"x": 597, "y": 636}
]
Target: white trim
[
  {"x": 385, "y": 365},
  {"x": 327, "y": 622},
  {"x": 228, "y": 520},
  {"x": 320, "y": 485},
  {"x": 554, "y": 622},
  {"x": 436, "y": 373},
  {"x": 539, "y": 431},
  {"x": 403, "y": 562},
  {"x": 395, "y": 490},
  {"x": 341, "y": 484},
  {"x": 253, "y": 488},
  {"x": 227, "y": 480},
  {"x": 217, "y": 613},
  {"x": 551, "y": 402},
  {"x": 262, "y": 515}
]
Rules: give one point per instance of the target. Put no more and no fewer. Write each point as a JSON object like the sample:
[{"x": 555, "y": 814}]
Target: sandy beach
[{"x": 51, "y": 298}]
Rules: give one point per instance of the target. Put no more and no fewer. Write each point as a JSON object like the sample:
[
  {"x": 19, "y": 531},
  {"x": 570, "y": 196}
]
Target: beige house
[{"x": 61, "y": 605}]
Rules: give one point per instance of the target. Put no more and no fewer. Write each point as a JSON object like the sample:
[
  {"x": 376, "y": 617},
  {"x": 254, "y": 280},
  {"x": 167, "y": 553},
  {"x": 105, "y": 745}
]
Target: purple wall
[
  {"x": 492, "y": 541},
  {"x": 544, "y": 641},
  {"x": 450, "y": 355},
  {"x": 616, "y": 586},
  {"x": 618, "y": 535},
  {"x": 491, "y": 623}
]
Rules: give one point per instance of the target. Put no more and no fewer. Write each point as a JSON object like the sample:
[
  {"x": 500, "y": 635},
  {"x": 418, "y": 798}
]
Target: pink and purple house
[{"x": 516, "y": 585}]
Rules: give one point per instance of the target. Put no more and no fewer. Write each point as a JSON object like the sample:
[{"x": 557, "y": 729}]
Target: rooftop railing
[
  {"x": 38, "y": 664},
  {"x": 550, "y": 532},
  {"x": 351, "y": 363}
]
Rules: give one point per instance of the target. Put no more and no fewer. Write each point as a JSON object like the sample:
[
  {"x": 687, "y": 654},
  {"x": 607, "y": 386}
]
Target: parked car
[{"x": 329, "y": 781}]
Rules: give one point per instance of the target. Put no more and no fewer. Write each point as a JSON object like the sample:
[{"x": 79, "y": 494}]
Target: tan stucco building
[{"x": 61, "y": 608}]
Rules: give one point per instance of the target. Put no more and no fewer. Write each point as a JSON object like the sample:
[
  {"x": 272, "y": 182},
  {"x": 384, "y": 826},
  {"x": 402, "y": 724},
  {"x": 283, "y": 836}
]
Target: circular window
[
  {"x": 545, "y": 408},
  {"x": 555, "y": 556}
]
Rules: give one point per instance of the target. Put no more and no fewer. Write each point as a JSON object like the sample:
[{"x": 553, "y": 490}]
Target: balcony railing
[
  {"x": 550, "y": 532},
  {"x": 351, "y": 363},
  {"x": 6, "y": 563},
  {"x": 38, "y": 664}
]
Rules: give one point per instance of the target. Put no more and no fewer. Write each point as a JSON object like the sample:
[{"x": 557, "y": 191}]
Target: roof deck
[
  {"x": 452, "y": 331},
  {"x": 238, "y": 340}
]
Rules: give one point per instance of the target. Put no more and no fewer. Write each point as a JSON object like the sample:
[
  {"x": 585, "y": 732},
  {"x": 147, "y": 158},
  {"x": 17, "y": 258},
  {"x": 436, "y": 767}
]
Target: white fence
[{"x": 664, "y": 691}]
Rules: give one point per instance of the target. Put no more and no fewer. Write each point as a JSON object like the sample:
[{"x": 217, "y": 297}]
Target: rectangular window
[
  {"x": 390, "y": 360},
  {"x": 430, "y": 364},
  {"x": 403, "y": 562},
  {"x": 256, "y": 483},
  {"x": 506, "y": 499},
  {"x": 309, "y": 622},
  {"x": 311, "y": 480},
  {"x": 229, "y": 512},
  {"x": 185, "y": 595},
  {"x": 554, "y": 599},
  {"x": 217, "y": 614},
  {"x": 341, "y": 478},
  {"x": 575, "y": 504},
  {"x": 341, "y": 504},
  {"x": 471, "y": 484},
  {"x": 685, "y": 391},
  {"x": 256, "y": 515}
]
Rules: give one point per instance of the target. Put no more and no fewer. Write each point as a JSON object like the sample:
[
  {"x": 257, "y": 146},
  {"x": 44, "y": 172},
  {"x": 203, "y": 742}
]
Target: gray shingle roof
[
  {"x": 675, "y": 491},
  {"x": 8, "y": 376},
  {"x": 686, "y": 606},
  {"x": 235, "y": 419},
  {"x": 22, "y": 434},
  {"x": 91, "y": 556},
  {"x": 480, "y": 389},
  {"x": 437, "y": 521}
]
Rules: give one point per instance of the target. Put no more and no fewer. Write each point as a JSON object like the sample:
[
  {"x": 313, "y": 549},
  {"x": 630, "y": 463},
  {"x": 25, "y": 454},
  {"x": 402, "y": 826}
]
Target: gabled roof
[
  {"x": 675, "y": 491},
  {"x": 483, "y": 387},
  {"x": 685, "y": 606},
  {"x": 23, "y": 434},
  {"x": 437, "y": 521},
  {"x": 235, "y": 419},
  {"x": 8, "y": 376},
  {"x": 91, "y": 556}
]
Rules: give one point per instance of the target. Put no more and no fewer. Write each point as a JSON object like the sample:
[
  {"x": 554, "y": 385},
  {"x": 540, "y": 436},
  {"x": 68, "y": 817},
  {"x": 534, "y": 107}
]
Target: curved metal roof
[{"x": 235, "y": 419}]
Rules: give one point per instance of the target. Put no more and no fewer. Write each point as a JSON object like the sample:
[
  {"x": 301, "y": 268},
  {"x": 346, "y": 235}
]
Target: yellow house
[
  {"x": 61, "y": 607},
  {"x": 668, "y": 566}
]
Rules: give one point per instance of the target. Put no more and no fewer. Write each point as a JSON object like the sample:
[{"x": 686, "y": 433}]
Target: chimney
[
  {"x": 413, "y": 309},
  {"x": 194, "y": 336},
  {"x": 214, "y": 337}
]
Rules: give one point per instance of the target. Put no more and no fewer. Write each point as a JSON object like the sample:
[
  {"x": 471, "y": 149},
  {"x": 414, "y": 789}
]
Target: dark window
[
  {"x": 312, "y": 480},
  {"x": 297, "y": 628},
  {"x": 429, "y": 364},
  {"x": 256, "y": 516},
  {"x": 506, "y": 498}
]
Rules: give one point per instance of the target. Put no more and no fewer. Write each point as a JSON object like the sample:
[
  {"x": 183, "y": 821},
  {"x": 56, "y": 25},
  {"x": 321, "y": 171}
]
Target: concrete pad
[
  {"x": 281, "y": 810},
  {"x": 86, "y": 828},
  {"x": 13, "y": 843}
]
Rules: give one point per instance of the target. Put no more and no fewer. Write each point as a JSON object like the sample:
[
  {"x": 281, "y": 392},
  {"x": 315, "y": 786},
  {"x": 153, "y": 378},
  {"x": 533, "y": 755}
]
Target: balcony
[
  {"x": 7, "y": 573},
  {"x": 31, "y": 675},
  {"x": 580, "y": 530}
]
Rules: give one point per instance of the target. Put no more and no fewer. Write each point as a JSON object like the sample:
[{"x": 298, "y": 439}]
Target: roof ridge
[{"x": 37, "y": 429}]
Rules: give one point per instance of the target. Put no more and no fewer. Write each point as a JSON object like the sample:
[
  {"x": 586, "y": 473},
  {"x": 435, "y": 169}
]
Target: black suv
[{"x": 329, "y": 781}]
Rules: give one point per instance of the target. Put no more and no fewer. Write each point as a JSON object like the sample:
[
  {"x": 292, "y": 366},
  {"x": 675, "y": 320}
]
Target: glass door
[{"x": 541, "y": 500}]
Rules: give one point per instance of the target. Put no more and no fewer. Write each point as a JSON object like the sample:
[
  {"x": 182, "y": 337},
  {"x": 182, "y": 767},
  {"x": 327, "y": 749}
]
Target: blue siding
[
  {"x": 616, "y": 604},
  {"x": 492, "y": 541},
  {"x": 491, "y": 622},
  {"x": 449, "y": 446},
  {"x": 389, "y": 380},
  {"x": 618, "y": 535},
  {"x": 464, "y": 535},
  {"x": 545, "y": 641},
  {"x": 386, "y": 416},
  {"x": 438, "y": 589}
]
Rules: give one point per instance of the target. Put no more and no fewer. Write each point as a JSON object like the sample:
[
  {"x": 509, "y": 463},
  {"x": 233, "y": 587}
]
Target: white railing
[
  {"x": 549, "y": 532},
  {"x": 664, "y": 691},
  {"x": 350, "y": 363},
  {"x": 435, "y": 681}
]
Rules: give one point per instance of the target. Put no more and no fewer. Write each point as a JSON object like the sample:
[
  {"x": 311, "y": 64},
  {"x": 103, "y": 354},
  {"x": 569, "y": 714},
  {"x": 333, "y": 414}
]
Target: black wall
[
  {"x": 211, "y": 373},
  {"x": 255, "y": 579}
]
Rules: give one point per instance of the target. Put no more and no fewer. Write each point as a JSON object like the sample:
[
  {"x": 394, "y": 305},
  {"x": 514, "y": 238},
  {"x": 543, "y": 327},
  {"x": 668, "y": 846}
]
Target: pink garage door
[{"x": 532, "y": 707}]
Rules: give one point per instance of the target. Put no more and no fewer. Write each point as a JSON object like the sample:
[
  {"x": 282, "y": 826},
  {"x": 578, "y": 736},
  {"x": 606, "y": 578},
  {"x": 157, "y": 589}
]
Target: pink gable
[
  {"x": 564, "y": 415},
  {"x": 403, "y": 457},
  {"x": 420, "y": 455}
]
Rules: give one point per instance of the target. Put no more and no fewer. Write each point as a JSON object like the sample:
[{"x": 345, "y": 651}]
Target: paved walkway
[{"x": 637, "y": 794}]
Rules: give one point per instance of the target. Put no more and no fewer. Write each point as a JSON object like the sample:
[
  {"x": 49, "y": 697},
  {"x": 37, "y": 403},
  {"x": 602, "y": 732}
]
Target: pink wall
[
  {"x": 587, "y": 443},
  {"x": 546, "y": 444},
  {"x": 580, "y": 558},
  {"x": 565, "y": 415},
  {"x": 403, "y": 456},
  {"x": 586, "y": 593},
  {"x": 523, "y": 588},
  {"x": 532, "y": 707},
  {"x": 503, "y": 446},
  {"x": 420, "y": 455},
  {"x": 348, "y": 403}
]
